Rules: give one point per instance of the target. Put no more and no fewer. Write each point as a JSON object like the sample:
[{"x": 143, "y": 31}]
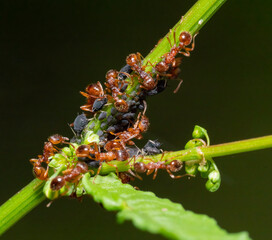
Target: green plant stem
[
  {"x": 29, "y": 197},
  {"x": 20, "y": 204}
]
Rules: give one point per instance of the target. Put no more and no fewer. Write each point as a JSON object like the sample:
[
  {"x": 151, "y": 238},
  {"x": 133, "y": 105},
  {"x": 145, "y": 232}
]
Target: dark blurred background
[{"x": 50, "y": 50}]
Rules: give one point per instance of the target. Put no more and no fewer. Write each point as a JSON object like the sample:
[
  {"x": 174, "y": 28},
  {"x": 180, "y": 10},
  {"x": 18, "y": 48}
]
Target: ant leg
[
  {"x": 140, "y": 56},
  {"x": 145, "y": 107},
  {"x": 96, "y": 147},
  {"x": 186, "y": 54},
  {"x": 45, "y": 175},
  {"x": 69, "y": 144},
  {"x": 86, "y": 108},
  {"x": 173, "y": 176},
  {"x": 187, "y": 49},
  {"x": 174, "y": 36},
  {"x": 97, "y": 173},
  {"x": 149, "y": 171},
  {"x": 33, "y": 161},
  {"x": 137, "y": 121},
  {"x": 162, "y": 156},
  {"x": 113, "y": 165},
  {"x": 155, "y": 173},
  {"x": 181, "y": 20},
  {"x": 91, "y": 171},
  {"x": 169, "y": 39},
  {"x": 135, "y": 175},
  {"x": 179, "y": 176},
  {"x": 100, "y": 86},
  {"x": 128, "y": 75},
  {"x": 84, "y": 94},
  {"x": 150, "y": 63},
  {"x": 177, "y": 88}
]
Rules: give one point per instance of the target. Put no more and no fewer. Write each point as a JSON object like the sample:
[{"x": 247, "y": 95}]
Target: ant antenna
[
  {"x": 72, "y": 129},
  {"x": 145, "y": 107}
]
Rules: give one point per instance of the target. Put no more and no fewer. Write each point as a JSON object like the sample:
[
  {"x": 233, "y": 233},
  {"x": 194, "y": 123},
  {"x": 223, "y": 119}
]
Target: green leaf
[{"x": 153, "y": 214}]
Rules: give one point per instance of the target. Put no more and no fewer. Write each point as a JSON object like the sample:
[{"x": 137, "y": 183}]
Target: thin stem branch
[
  {"x": 196, "y": 153},
  {"x": 30, "y": 196},
  {"x": 238, "y": 147}
]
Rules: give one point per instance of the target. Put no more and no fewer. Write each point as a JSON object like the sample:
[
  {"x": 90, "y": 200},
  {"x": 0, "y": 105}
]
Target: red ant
[
  {"x": 125, "y": 177},
  {"x": 139, "y": 127},
  {"x": 114, "y": 85},
  {"x": 48, "y": 150},
  {"x": 173, "y": 166},
  {"x": 69, "y": 175},
  {"x": 93, "y": 91},
  {"x": 113, "y": 145},
  {"x": 185, "y": 39},
  {"x": 134, "y": 60},
  {"x": 95, "y": 154},
  {"x": 38, "y": 170},
  {"x": 170, "y": 61}
]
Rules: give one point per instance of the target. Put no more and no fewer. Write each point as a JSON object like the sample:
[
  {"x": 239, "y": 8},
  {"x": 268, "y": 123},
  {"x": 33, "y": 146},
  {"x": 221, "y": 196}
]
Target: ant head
[
  {"x": 57, "y": 183},
  {"x": 121, "y": 105},
  {"x": 175, "y": 165},
  {"x": 185, "y": 38},
  {"x": 57, "y": 139},
  {"x": 111, "y": 74},
  {"x": 83, "y": 151},
  {"x": 94, "y": 89},
  {"x": 132, "y": 59},
  {"x": 144, "y": 124}
]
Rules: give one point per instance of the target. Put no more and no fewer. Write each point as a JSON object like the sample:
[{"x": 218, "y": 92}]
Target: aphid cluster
[{"x": 114, "y": 117}]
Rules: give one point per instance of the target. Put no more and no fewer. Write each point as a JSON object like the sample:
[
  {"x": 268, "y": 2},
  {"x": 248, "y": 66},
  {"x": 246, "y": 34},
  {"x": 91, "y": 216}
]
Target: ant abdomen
[
  {"x": 122, "y": 155},
  {"x": 139, "y": 167},
  {"x": 57, "y": 183}
]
